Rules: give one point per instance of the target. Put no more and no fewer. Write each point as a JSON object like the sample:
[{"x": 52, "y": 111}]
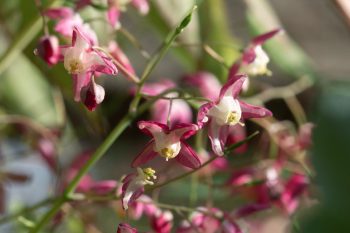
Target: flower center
[
  {"x": 167, "y": 153},
  {"x": 149, "y": 173},
  {"x": 232, "y": 118},
  {"x": 75, "y": 66}
]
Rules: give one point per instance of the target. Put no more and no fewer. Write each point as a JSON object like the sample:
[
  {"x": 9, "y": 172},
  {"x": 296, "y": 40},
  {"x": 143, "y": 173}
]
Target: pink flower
[
  {"x": 133, "y": 185},
  {"x": 294, "y": 187},
  {"x": 201, "y": 222},
  {"x": 180, "y": 110},
  {"x": 254, "y": 59},
  {"x": 207, "y": 84},
  {"x": 141, "y": 5},
  {"x": 143, "y": 205},
  {"x": 67, "y": 20},
  {"x": 126, "y": 228},
  {"x": 168, "y": 143},
  {"x": 82, "y": 61},
  {"x": 162, "y": 221},
  {"x": 48, "y": 49},
  {"x": 92, "y": 95},
  {"x": 226, "y": 112},
  {"x": 113, "y": 14}
]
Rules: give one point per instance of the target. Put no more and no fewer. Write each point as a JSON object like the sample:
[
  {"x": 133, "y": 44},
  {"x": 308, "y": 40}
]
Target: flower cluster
[{"x": 222, "y": 116}]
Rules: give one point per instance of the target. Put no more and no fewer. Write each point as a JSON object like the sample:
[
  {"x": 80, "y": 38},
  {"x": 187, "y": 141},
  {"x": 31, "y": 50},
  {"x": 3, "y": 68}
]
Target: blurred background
[{"x": 36, "y": 101}]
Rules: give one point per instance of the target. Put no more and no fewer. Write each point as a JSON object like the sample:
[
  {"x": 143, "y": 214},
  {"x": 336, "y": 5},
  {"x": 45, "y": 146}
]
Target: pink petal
[
  {"x": 264, "y": 37},
  {"x": 183, "y": 131},
  {"x": 80, "y": 39},
  {"x": 147, "y": 154},
  {"x": 251, "y": 111},
  {"x": 218, "y": 136},
  {"x": 249, "y": 55},
  {"x": 101, "y": 63},
  {"x": 141, "y": 5},
  {"x": 293, "y": 189},
  {"x": 66, "y": 26},
  {"x": 103, "y": 187},
  {"x": 232, "y": 75},
  {"x": 113, "y": 15},
  {"x": 241, "y": 177},
  {"x": 152, "y": 128},
  {"x": 207, "y": 84},
  {"x": 59, "y": 12},
  {"x": 305, "y": 135},
  {"x": 180, "y": 112},
  {"x": 80, "y": 81},
  {"x": 233, "y": 86},
  {"x": 202, "y": 118},
  {"x": 92, "y": 95},
  {"x": 157, "y": 88},
  {"x": 188, "y": 157},
  {"x": 120, "y": 56},
  {"x": 49, "y": 50}
]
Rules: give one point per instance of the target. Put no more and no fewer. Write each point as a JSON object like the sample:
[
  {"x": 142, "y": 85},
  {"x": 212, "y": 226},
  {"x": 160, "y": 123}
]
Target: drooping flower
[
  {"x": 82, "y": 61},
  {"x": 254, "y": 59},
  {"x": 226, "y": 112},
  {"x": 48, "y": 49},
  {"x": 134, "y": 183},
  {"x": 126, "y": 228},
  {"x": 168, "y": 143},
  {"x": 162, "y": 221},
  {"x": 180, "y": 111}
]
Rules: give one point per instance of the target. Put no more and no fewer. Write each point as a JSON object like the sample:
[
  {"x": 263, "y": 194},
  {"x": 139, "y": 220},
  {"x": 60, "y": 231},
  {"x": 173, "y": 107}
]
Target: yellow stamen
[
  {"x": 75, "y": 67},
  {"x": 167, "y": 153},
  {"x": 232, "y": 118}
]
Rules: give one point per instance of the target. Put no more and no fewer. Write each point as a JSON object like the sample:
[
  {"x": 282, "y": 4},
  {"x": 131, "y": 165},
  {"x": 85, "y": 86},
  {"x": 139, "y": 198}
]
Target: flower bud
[{"x": 48, "y": 49}]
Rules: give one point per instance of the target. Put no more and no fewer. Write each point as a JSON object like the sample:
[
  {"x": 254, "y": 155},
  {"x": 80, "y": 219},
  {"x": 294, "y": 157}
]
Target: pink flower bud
[
  {"x": 126, "y": 228},
  {"x": 141, "y": 5},
  {"x": 48, "y": 49},
  {"x": 92, "y": 95}
]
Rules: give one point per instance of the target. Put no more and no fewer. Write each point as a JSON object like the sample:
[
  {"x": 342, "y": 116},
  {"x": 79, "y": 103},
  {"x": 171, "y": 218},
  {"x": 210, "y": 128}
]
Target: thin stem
[
  {"x": 296, "y": 109},
  {"x": 134, "y": 41},
  {"x": 158, "y": 56}
]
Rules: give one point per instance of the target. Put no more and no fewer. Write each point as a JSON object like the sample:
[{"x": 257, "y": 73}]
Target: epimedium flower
[
  {"x": 254, "y": 59},
  {"x": 169, "y": 143},
  {"x": 126, "y": 228},
  {"x": 82, "y": 61},
  {"x": 162, "y": 221},
  {"x": 134, "y": 185},
  {"x": 143, "y": 205},
  {"x": 67, "y": 20},
  {"x": 48, "y": 49},
  {"x": 180, "y": 111},
  {"x": 227, "y": 112}
]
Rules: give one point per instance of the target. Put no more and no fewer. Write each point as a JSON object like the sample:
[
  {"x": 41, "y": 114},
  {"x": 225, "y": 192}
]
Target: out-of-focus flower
[
  {"x": 48, "y": 49},
  {"x": 143, "y": 205},
  {"x": 266, "y": 186},
  {"x": 134, "y": 183},
  {"x": 294, "y": 187},
  {"x": 226, "y": 112},
  {"x": 81, "y": 60},
  {"x": 201, "y": 222},
  {"x": 206, "y": 83},
  {"x": 168, "y": 143},
  {"x": 162, "y": 221},
  {"x": 254, "y": 59},
  {"x": 67, "y": 20},
  {"x": 126, "y": 228},
  {"x": 115, "y": 7},
  {"x": 180, "y": 110}
]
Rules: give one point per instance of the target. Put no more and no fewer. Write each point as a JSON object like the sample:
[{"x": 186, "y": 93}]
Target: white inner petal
[
  {"x": 227, "y": 112},
  {"x": 259, "y": 65},
  {"x": 166, "y": 145}
]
